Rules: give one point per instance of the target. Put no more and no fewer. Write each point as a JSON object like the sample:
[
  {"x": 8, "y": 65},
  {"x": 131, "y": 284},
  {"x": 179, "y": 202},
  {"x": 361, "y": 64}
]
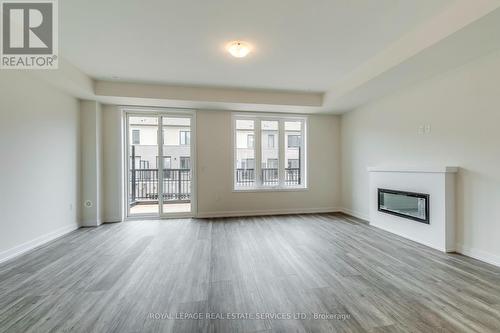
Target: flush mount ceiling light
[{"x": 238, "y": 49}]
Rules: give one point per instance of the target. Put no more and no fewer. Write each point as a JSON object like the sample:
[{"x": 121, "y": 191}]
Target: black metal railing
[
  {"x": 270, "y": 177},
  {"x": 292, "y": 176},
  {"x": 245, "y": 177},
  {"x": 143, "y": 185}
]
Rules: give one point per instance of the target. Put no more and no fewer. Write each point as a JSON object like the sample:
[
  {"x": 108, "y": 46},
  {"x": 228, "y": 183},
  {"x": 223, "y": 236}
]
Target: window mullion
[
  {"x": 303, "y": 153},
  {"x": 281, "y": 152},
  {"x": 258, "y": 152},
  {"x": 160, "y": 166},
  {"x": 235, "y": 151}
]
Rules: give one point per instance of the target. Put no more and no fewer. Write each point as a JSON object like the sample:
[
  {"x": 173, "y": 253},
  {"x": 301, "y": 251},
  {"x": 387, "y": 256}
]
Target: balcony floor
[{"x": 184, "y": 207}]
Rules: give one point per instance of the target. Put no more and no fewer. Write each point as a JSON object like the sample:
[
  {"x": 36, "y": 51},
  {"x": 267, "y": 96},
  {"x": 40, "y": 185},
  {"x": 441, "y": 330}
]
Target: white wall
[
  {"x": 463, "y": 109},
  {"x": 112, "y": 164},
  {"x": 91, "y": 167},
  {"x": 215, "y": 193},
  {"x": 39, "y": 162}
]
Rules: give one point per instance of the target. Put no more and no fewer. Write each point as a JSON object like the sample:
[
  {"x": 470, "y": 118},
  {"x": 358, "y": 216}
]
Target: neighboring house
[
  {"x": 176, "y": 137},
  {"x": 270, "y": 149},
  {"x": 143, "y": 156}
]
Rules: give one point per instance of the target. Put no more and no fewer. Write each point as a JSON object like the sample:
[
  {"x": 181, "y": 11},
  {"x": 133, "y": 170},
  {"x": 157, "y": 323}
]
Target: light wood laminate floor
[{"x": 146, "y": 276}]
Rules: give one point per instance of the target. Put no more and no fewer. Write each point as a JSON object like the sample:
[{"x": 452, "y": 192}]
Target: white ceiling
[{"x": 305, "y": 45}]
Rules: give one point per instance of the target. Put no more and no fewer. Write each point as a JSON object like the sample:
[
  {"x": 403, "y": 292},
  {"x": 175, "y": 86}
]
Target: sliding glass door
[
  {"x": 176, "y": 158},
  {"x": 143, "y": 185},
  {"x": 159, "y": 164}
]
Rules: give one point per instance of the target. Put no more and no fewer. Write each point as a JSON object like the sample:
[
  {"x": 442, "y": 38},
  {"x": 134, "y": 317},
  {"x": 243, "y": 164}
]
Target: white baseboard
[
  {"x": 112, "y": 219},
  {"x": 242, "y": 213},
  {"x": 470, "y": 252},
  {"x": 90, "y": 223},
  {"x": 355, "y": 214},
  {"x": 34, "y": 243},
  {"x": 467, "y": 251},
  {"x": 451, "y": 249},
  {"x": 487, "y": 257}
]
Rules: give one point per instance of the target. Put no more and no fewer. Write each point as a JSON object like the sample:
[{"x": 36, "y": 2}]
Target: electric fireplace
[{"x": 410, "y": 205}]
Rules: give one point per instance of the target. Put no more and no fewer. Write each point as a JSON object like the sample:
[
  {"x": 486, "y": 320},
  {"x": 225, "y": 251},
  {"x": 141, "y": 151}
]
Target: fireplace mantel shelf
[{"x": 445, "y": 169}]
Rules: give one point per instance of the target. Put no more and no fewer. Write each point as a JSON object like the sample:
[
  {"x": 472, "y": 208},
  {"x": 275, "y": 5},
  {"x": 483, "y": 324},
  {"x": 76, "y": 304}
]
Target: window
[
  {"x": 270, "y": 141},
  {"x": 136, "y": 137},
  {"x": 269, "y": 174},
  {"x": 136, "y": 162},
  {"x": 269, "y": 152},
  {"x": 293, "y": 141},
  {"x": 250, "y": 141},
  {"x": 272, "y": 163},
  {"x": 293, "y": 164},
  {"x": 244, "y": 153},
  {"x": 185, "y": 137},
  {"x": 185, "y": 162},
  {"x": 248, "y": 163},
  {"x": 167, "y": 162}
]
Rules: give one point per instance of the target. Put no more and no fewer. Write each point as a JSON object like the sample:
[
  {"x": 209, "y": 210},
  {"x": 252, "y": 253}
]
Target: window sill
[{"x": 269, "y": 189}]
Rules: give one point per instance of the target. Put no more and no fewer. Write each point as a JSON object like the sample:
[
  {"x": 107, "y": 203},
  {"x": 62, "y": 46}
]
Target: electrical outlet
[{"x": 88, "y": 203}]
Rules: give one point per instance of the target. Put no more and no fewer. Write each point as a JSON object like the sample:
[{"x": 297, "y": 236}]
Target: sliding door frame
[{"x": 160, "y": 113}]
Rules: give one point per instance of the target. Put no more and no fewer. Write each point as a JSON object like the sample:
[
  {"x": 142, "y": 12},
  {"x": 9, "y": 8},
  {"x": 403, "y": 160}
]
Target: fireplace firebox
[{"x": 410, "y": 205}]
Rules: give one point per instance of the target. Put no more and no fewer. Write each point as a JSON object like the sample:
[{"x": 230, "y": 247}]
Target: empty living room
[{"x": 250, "y": 166}]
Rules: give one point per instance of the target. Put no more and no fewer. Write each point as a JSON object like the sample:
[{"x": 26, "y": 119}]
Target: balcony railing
[
  {"x": 143, "y": 185},
  {"x": 270, "y": 177}
]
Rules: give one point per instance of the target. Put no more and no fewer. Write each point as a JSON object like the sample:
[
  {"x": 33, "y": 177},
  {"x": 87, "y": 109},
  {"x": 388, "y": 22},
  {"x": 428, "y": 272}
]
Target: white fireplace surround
[{"x": 438, "y": 183}]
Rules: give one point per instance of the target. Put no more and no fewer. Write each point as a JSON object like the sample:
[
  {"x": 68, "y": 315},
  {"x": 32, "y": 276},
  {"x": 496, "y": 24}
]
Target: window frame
[{"x": 281, "y": 119}]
